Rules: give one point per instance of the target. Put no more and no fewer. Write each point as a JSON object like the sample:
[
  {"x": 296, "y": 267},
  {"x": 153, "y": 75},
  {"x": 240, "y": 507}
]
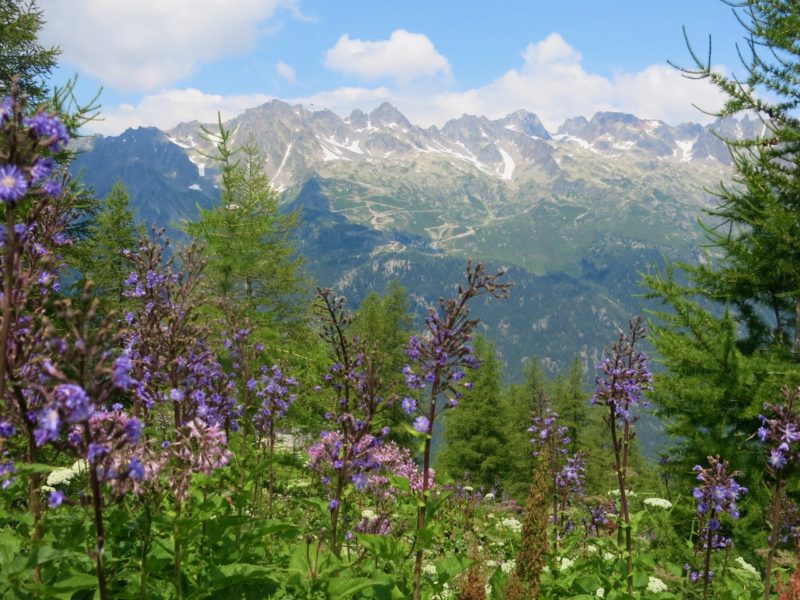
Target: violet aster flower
[
  {"x": 42, "y": 168},
  {"x": 421, "y": 424},
  {"x": 13, "y": 185}
]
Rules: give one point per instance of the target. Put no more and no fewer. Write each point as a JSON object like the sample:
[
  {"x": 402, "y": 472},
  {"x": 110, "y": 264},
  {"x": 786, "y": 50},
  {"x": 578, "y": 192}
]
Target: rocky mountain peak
[{"x": 387, "y": 115}]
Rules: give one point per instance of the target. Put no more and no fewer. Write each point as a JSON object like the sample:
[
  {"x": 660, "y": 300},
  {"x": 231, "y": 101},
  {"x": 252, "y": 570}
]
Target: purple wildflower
[
  {"x": 421, "y": 424},
  {"x": 55, "y": 499},
  {"x": 13, "y": 185}
]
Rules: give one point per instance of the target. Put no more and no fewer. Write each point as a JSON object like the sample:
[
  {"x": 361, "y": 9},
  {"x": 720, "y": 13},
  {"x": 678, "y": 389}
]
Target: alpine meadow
[{"x": 315, "y": 351}]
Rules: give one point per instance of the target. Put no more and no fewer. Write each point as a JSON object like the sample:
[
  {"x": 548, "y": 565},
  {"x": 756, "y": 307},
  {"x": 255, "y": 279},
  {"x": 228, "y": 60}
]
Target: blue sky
[{"x": 161, "y": 62}]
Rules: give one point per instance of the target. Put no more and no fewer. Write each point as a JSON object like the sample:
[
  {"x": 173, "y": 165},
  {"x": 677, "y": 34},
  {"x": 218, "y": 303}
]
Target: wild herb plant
[
  {"x": 718, "y": 494},
  {"x": 440, "y": 358},
  {"x": 355, "y": 381},
  {"x": 780, "y": 431},
  {"x": 623, "y": 380}
]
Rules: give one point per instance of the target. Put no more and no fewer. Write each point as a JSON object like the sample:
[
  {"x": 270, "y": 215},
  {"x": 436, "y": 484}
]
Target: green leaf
[
  {"x": 401, "y": 483},
  {"x": 343, "y": 588},
  {"x": 451, "y": 566}
]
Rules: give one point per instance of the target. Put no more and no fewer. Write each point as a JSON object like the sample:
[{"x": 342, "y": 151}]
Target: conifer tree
[
  {"x": 722, "y": 368},
  {"x": 99, "y": 257},
  {"x": 385, "y": 323},
  {"x": 520, "y": 403},
  {"x": 473, "y": 432},
  {"x": 21, "y": 53},
  {"x": 252, "y": 268}
]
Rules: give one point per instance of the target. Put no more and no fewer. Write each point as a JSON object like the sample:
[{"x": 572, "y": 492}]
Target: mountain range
[{"x": 576, "y": 215}]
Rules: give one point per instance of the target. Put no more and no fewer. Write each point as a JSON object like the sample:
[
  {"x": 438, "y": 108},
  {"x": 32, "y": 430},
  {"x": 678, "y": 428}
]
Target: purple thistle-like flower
[
  {"x": 121, "y": 373},
  {"x": 409, "y": 405},
  {"x": 133, "y": 430},
  {"x": 13, "y": 185},
  {"x": 777, "y": 459},
  {"x": 73, "y": 400},
  {"x": 359, "y": 481},
  {"x": 49, "y": 128},
  {"x": 421, "y": 424},
  {"x": 42, "y": 168},
  {"x": 96, "y": 452},
  {"x": 136, "y": 469},
  {"x": 7, "y": 429},
  {"x": 49, "y": 425},
  {"x": 52, "y": 188},
  {"x": 333, "y": 504},
  {"x": 7, "y": 470}
]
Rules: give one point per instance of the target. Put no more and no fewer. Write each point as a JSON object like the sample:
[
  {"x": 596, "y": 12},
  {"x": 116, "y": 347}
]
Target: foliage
[
  {"x": 23, "y": 55},
  {"x": 473, "y": 434},
  {"x": 100, "y": 257},
  {"x": 252, "y": 267}
]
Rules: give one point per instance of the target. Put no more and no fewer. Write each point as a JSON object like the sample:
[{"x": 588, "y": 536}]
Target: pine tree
[
  {"x": 730, "y": 334},
  {"x": 385, "y": 323},
  {"x": 755, "y": 222},
  {"x": 99, "y": 258},
  {"x": 571, "y": 402},
  {"x": 520, "y": 403},
  {"x": 473, "y": 431},
  {"x": 252, "y": 267},
  {"x": 21, "y": 53}
]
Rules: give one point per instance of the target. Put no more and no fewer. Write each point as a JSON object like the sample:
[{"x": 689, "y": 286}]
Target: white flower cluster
[
  {"x": 64, "y": 475},
  {"x": 447, "y": 593},
  {"x": 512, "y": 524},
  {"x": 658, "y": 502},
  {"x": 600, "y": 593},
  {"x": 508, "y": 566},
  {"x": 565, "y": 564},
  {"x": 655, "y": 585},
  {"x": 746, "y": 566}
]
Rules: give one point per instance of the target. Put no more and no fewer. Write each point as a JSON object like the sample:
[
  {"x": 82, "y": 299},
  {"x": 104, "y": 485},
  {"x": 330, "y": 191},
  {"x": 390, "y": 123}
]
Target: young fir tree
[
  {"x": 571, "y": 402},
  {"x": 754, "y": 226},
  {"x": 252, "y": 268},
  {"x": 721, "y": 369},
  {"x": 99, "y": 257},
  {"x": 520, "y": 402},
  {"x": 474, "y": 447},
  {"x": 21, "y": 54},
  {"x": 385, "y": 322}
]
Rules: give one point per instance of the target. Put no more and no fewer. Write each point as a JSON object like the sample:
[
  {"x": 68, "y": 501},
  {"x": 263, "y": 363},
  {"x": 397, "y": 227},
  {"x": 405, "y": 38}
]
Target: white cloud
[
  {"x": 144, "y": 45},
  {"x": 168, "y": 108},
  {"x": 404, "y": 56},
  {"x": 286, "y": 71},
  {"x": 553, "y": 83}
]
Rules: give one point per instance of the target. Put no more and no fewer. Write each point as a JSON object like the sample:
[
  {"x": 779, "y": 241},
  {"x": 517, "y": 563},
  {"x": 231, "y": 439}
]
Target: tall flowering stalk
[
  {"x": 355, "y": 380},
  {"x": 180, "y": 378},
  {"x": 36, "y": 214},
  {"x": 273, "y": 388},
  {"x": 440, "y": 357},
  {"x": 780, "y": 431},
  {"x": 716, "y": 495},
  {"x": 72, "y": 399},
  {"x": 551, "y": 444},
  {"x": 624, "y": 377}
]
